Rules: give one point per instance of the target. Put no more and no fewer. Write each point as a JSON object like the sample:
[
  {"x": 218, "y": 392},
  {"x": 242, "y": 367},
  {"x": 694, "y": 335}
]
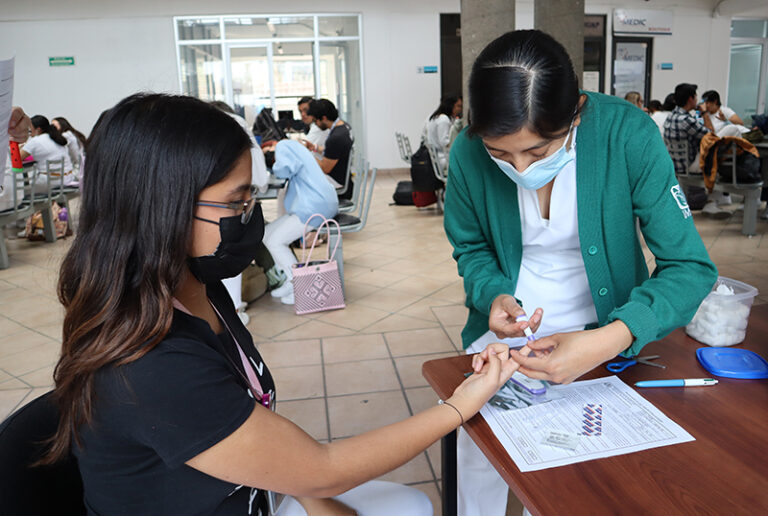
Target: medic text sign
[{"x": 637, "y": 21}]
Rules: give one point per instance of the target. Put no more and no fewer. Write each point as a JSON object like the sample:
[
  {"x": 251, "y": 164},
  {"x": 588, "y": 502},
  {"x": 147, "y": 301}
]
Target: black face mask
[{"x": 238, "y": 247}]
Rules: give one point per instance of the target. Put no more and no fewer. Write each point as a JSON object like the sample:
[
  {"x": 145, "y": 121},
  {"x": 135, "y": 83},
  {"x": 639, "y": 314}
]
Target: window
[
  {"x": 256, "y": 61},
  {"x": 748, "y": 74}
]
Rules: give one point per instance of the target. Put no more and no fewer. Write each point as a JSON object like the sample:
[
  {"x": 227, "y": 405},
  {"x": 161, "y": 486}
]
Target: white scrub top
[{"x": 552, "y": 274}]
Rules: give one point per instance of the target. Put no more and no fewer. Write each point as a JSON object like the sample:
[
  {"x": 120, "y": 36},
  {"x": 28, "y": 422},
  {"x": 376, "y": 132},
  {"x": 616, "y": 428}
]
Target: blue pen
[{"x": 690, "y": 382}]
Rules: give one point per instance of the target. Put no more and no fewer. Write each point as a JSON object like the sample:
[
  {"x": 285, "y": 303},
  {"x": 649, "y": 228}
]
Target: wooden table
[{"x": 724, "y": 471}]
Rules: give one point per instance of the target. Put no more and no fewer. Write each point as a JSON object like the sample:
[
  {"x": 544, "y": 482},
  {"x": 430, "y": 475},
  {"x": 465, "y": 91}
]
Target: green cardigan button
[
  {"x": 603, "y": 291},
  {"x": 592, "y": 250}
]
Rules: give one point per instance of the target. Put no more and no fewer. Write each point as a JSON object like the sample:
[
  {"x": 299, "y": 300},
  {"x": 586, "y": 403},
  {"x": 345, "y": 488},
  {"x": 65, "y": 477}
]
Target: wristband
[{"x": 441, "y": 402}]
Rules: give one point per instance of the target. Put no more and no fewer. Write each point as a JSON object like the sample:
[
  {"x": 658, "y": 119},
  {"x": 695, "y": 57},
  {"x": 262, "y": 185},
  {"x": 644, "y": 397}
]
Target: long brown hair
[
  {"x": 65, "y": 126},
  {"x": 149, "y": 157}
]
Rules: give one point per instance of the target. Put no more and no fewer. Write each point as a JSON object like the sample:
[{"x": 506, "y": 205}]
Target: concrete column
[
  {"x": 482, "y": 21},
  {"x": 563, "y": 20}
]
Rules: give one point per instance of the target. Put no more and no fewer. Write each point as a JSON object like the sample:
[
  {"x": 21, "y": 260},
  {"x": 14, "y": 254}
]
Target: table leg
[{"x": 450, "y": 490}]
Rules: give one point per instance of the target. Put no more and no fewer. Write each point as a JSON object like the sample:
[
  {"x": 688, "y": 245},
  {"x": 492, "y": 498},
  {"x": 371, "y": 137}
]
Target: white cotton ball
[
  {"x": 740, "y": 324},
  {"x": 743, "y": 311},
  {"x": 724, "y": 290},
  {"x": 711, "y": 318}
]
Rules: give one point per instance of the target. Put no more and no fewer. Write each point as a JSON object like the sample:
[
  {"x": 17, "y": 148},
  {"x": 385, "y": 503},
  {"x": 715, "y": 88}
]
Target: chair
[
  {"x": 751, "y": 191},
  {"x": 408, "y": 150},
  {"x": 341, "y": 190},
  {"x": 348, "y": 205},
  {"x": 24, "y": 490},
  {"x": 440, "y": 173},
  {"x": 42, "y": 201},
  {"x": 404, "y": 146},
  {"x": 21, "y": 209},
  {"x": 354, "y": 223}
]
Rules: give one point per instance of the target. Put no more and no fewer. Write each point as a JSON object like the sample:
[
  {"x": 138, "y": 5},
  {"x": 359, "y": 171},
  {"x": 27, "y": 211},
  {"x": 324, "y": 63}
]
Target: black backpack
[
  {"x": 422, "y": 174},
  {"x": 403, "y": 195}
]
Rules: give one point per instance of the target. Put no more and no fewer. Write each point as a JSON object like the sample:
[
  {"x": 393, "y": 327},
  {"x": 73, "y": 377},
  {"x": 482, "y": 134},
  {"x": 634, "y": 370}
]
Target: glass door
[
  {"x": 746, "y": 80},
  {"x": 632, "y": 59},
  {"x": 275, "y": 75},
  {"x": 293, "y": 77},
  {"x": 250, "y": 84}
]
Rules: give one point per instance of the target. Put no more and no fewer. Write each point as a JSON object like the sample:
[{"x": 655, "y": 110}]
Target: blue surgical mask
[{"x": 541, "y": 172}]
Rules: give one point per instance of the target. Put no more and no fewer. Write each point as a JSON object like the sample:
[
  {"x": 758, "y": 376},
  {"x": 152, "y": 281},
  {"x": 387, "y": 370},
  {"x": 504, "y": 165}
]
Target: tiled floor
[{"x": 338, "y": 373}]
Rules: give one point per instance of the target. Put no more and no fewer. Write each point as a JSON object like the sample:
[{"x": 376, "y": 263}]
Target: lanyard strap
[{"x": 253, "y": 380}]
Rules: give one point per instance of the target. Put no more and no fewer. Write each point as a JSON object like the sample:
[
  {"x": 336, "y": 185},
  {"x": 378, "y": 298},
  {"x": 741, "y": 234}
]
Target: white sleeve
[
  {"x": 32, "y": 146},
  {"x": 73, "y": 147},
  {"x": 443, "y": 131},
  {"x": 316, "y": 135},
  {"x": 727, "y": 112},
  {"x": 259, "y": 172}
]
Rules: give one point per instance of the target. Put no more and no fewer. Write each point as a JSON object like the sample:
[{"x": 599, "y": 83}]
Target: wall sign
[
  {"x": 594, "y": 26},
  {"x": 61, "y": 61},
  {"x": 639, "y": 21}
]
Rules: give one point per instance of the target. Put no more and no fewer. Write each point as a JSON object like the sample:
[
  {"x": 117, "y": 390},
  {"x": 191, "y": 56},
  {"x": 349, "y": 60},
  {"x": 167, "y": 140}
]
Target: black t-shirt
[
  {"x": 338, "y": 146},
  {"x": 156, "y": 413}
]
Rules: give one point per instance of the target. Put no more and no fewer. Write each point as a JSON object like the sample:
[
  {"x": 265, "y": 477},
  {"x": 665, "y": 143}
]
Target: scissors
[{"x": 617, "y": 367}]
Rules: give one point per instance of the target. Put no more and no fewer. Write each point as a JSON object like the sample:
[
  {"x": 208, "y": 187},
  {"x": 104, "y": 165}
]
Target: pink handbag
[{"x": 317, "y": 284}]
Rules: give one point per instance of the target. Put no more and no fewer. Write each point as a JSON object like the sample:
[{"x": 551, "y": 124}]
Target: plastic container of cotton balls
[{"x": 721, "y": 319}]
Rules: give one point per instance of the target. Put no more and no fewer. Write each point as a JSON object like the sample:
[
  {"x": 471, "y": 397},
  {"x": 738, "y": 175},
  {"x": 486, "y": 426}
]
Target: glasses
[{"x": 247, "y": 207}]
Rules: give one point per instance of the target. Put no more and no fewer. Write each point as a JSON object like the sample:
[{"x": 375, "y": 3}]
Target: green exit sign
[{"x": 61, "y": 61}]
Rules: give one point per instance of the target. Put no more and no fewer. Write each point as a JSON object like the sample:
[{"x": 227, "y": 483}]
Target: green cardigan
[{"x": 623, "y": 174}]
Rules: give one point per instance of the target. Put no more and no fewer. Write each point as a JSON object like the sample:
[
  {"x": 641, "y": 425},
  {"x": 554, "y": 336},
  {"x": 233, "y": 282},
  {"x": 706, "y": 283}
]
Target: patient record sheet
[{"x": 627, "y": 423}]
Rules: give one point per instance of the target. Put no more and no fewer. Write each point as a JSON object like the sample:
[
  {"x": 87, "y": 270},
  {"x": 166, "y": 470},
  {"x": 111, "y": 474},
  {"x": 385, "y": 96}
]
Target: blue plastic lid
[{"x": 733, "y": 363}]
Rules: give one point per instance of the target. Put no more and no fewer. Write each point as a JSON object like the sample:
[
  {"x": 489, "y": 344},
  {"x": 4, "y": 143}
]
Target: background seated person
[
  {"x": 47, "y": 144},
  {"x": 307, "y": 193},
  {"x": 660, "y": 112},
  {"x": 75, "y": 139},
  {"x": 725, "y": 121},
  {"x": 259, "y": 172},
  {"x": 437, "y": 129},
  {"x": 682, "y": 126},
  {"x": 314, "y": 134},
  {"x": 635, "y": 99},
  {"x": 260, "y": 182},
  {"x": 335, "y": 155}
]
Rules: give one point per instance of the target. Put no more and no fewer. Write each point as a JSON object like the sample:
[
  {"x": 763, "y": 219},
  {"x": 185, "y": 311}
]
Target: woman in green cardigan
[{"x": 548, "y": 188}]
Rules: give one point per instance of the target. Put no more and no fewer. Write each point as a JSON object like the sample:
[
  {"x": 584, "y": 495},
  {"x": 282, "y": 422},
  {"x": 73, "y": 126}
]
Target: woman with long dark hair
[
  {"x": 437, "y": 129},
  {"x": 47, "y": 144},
  {"x": 548, "y": 187},
  {"x": 76, "y": 141},
  {"x": 163, "y": 397}
]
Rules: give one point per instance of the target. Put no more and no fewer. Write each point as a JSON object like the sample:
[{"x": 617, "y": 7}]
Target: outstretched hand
[{"x": 492, "y": 368}]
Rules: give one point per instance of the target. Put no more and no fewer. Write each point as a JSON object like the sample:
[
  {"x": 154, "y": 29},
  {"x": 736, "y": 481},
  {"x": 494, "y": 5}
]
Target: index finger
[
  {"x": 534, "y": 363},
  {"x": 509, "y": 304}
]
